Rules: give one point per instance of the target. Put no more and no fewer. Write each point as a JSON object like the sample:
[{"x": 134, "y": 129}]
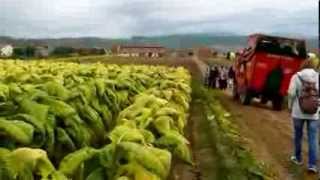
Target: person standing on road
[
  {"x": 217, "y": 79},
  {"x": 303, "y": 104},
  {"x": 224, "y": 78},
  {"x": 231, "y": 75},
  {"x": 208, "y": 76},
  {"x": 214, "y": 73},
  {"x": 220, "y": 77},
  {"x": 211, "y": 77}
]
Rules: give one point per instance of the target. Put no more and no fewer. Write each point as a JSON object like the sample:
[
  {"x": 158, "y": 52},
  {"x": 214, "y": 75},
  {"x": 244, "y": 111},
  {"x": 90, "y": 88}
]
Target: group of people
[
  {"x": 303, "y": 104},
  {"x": 220, "y": 77}
]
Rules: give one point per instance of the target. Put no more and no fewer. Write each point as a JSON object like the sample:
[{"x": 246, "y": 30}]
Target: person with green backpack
[{"x": 303, "y": 95}]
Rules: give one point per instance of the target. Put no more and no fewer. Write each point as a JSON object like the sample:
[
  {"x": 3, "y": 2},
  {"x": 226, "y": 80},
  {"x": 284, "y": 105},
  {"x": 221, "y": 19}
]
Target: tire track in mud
[
  {"x": 205, "y": 161},
  {"x": 197, "y": 132}
]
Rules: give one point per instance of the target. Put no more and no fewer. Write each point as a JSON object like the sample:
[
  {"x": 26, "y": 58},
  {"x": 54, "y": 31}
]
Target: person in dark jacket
[
  {"x": 231, "y": 73},
  {"x": 231, "y": 76},
  {"x": 223, "y": 78},
  {"x": 210, "y": 76},
  {"x": 214, "y": 73}
]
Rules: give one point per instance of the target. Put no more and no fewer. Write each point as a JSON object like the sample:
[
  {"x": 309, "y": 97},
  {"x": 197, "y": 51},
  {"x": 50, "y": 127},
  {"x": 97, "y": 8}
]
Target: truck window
[{"x": 283, "y": 47}]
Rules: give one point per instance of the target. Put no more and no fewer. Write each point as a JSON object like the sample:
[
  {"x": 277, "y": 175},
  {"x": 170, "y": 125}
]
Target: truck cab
[{"x": 264, "y": 69}]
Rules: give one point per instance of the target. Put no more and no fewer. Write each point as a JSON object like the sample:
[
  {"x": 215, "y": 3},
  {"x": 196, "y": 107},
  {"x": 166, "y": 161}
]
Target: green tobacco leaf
[
  {"x": 17, "y": 131},
  {"x": 70, "y": 164}
]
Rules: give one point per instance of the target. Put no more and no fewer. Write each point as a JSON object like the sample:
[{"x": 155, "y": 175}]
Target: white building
[
  {"x": 6, "y": 50},
  {"x": 151, "y": 51},
  {"x": 41, "y": 52}
]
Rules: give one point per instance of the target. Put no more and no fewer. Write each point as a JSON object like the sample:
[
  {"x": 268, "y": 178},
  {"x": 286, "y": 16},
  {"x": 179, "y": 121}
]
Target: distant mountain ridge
[{"x": 219, "y": 41}]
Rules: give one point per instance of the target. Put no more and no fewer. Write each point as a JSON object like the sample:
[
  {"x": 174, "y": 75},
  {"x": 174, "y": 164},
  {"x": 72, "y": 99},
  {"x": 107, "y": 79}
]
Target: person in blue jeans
[{"x": 306, "y": 73}]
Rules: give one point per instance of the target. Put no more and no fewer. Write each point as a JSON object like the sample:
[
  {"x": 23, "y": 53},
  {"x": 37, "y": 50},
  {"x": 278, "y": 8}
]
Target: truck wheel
[
  {"x": 264, "y": 100},
  {"x": 277, "y": 103},
  {"x": 245, "y": 97}
]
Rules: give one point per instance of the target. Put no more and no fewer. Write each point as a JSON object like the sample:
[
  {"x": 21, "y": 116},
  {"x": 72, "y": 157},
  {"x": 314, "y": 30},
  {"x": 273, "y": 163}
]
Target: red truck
[{"x": 263, "y": 70}]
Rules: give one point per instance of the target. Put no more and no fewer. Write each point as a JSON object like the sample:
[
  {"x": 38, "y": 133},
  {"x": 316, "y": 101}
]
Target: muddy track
[
  {"x": 269, "y": 136},
  {"x": 201, "y": 149},
  {"x": 200, "y": 143}
]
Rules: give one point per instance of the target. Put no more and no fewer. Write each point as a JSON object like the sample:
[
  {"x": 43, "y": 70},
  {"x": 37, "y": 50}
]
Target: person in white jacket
[{"x": 307, "y": 73}]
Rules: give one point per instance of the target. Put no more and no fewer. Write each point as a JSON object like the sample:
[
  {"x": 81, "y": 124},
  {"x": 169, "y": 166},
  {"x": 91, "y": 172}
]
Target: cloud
[{"x": 65, "y": 18}]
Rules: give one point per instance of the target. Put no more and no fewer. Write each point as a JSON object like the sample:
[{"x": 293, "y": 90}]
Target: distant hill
[{"x": 221, "y": 42}]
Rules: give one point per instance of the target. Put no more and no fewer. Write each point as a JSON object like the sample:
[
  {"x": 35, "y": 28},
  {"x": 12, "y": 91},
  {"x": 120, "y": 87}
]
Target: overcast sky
[{"x": 125, "y": 18}]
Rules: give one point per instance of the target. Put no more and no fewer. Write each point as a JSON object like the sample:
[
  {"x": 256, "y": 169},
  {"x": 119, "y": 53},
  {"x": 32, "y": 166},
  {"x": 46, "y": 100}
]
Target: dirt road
[{"x": 269, "y": 135}]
